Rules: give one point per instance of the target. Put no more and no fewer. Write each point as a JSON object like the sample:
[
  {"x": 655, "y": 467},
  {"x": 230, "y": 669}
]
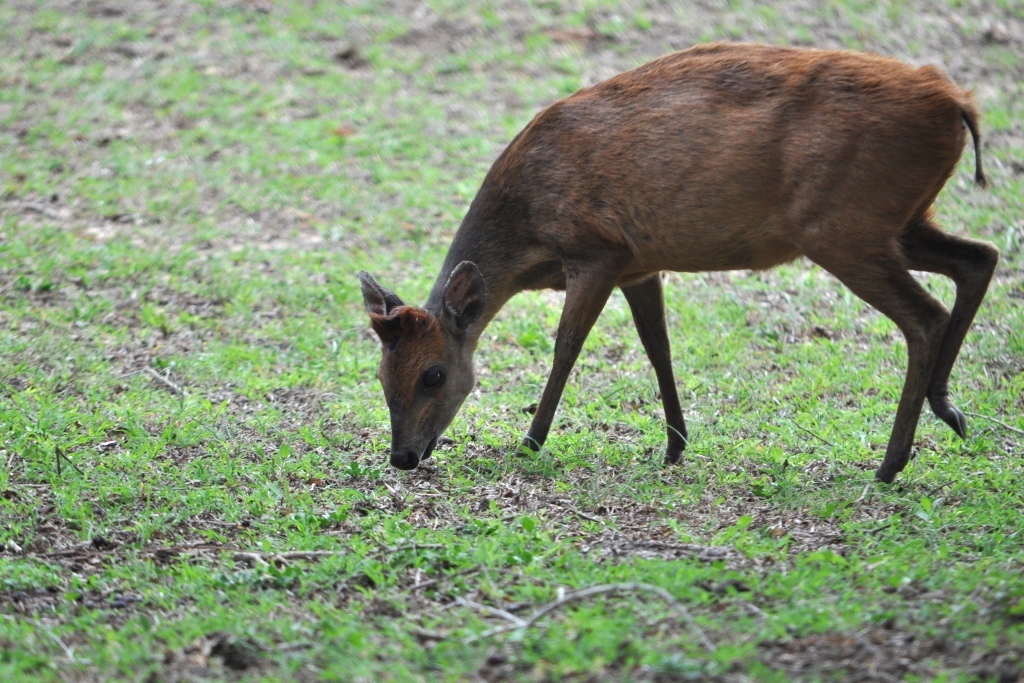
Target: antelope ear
[
  {"x": 464, "y": 295},
  {"x": 377, "y": 299}
]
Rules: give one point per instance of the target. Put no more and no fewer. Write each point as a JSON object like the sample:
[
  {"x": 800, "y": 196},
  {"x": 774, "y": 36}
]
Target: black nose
[{"x": 405, "y": 459}]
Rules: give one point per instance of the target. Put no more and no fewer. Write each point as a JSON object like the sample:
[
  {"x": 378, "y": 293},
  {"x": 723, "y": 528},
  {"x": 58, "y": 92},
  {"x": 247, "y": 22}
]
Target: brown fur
[{"x": 721, "y": 157}]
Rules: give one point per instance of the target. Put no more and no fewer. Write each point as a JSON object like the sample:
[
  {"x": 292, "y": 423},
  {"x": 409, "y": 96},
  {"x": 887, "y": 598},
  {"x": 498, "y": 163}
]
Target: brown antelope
[{"x": 720, "y": 157}]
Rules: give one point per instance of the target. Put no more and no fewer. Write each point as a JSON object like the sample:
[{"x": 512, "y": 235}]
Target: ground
[{"x": 196, "y": 481}]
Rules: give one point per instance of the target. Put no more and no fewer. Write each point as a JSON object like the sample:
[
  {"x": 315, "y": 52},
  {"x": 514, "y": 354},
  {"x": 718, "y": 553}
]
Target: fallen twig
[
  {"x": 582, "y": 593},
  {"x": 252, "y": 559},
  {"x": 40, "y": 208},
  {"x": 998, "y": 422},
  {"x": 73, "y": 550},
  {"x": 61, "y": 455},
  {"x": 507, "y": 616},
  {"x": 433, "y": 582},
  {"x": 587, "y": 517},
  {"x": 414, "y": 546},
  {"x": 868, "y": 488},
  {"x": 880, "y": 527},
  {"x": 935, "y": 489},
  {"x": 756, "y": 610},
  {"x": 816, "y": 436},
  {"x": 427, "y": 634},
  {"x": 68, "y": 652},
  {"x": 164, "y": 381},
  {"x": 264, "y": 559}
]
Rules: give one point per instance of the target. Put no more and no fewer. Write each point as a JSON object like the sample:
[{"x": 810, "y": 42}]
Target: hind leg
[
  {"x": 878, "y": 274},
  {"x": 970, "y": 264}
]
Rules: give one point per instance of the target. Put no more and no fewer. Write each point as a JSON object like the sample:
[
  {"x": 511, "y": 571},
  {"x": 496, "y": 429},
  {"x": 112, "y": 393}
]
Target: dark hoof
[
  {"x": 673, "y": 456},
  {"x": 677, "y": 441},
  {"x": 955, "y": 419},
  {"x": 949, "y": 414},
  {"x": 885, "y": 474},
  {"x": 892, "y": 465}
]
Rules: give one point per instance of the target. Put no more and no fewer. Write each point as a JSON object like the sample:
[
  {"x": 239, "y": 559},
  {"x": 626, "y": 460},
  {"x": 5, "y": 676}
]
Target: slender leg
[
  {"x": 878, "y": 274},
  {"x": 970, "y": 264},
  {"x": 588, "y": 287},
  {"x": 647, "y": 302}
]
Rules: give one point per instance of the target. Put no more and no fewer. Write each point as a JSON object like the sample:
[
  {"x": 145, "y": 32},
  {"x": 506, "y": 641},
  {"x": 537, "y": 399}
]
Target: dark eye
[{"x": 433, "y": 378}]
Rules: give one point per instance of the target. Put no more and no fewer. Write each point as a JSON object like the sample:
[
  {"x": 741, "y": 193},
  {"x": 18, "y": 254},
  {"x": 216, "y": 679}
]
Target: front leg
[{"x": 587, "y": 288}]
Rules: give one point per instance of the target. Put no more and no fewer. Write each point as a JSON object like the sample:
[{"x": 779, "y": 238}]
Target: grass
[{"x": 187, "y": 387}]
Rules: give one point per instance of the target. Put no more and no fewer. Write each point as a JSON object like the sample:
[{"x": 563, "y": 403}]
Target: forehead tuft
[
  {"x": 412, "y": 338},
  {"x": 405, "y": 324},
  {"x": 415, "y": 321}
]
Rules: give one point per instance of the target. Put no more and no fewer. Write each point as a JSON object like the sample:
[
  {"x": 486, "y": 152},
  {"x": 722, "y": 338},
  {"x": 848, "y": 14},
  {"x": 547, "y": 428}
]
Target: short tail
[{"x": 970, "y": 118}]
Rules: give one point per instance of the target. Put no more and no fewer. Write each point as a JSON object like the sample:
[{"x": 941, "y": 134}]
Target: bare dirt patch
[{"x": 886, "y": 654}]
